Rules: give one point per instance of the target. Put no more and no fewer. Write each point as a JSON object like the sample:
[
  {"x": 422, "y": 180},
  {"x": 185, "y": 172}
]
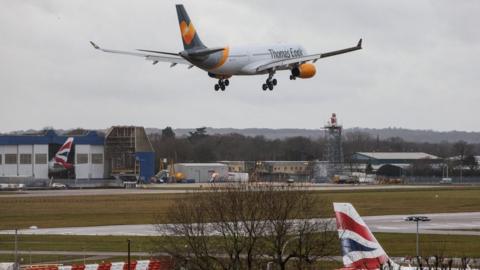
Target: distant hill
[
  {"x": 415, "y": 135},
  {"x": 411, "y": 135}
]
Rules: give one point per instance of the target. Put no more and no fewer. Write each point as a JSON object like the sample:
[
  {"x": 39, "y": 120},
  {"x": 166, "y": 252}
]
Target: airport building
[
  {"x": 129, "y": 153},
  {"x": 124, "y": 150},
  {"x": 201, "y": 172},
  {"x": 240, "y": 166},
  {"x": 380, "y": 158},
  {"x": 284, "y": 170},
  {"x": 391, "y": 163},
  {"x": 28, "y": 156}
]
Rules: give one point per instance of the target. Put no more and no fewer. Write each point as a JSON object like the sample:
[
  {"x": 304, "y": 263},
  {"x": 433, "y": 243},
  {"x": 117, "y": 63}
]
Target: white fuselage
[{"x": 244, "y": 60}]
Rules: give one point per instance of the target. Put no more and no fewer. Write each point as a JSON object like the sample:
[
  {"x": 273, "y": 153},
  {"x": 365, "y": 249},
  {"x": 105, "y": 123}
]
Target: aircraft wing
[
  {"x": 154, "y": 56},
  {"x": 300, "y": 60}
]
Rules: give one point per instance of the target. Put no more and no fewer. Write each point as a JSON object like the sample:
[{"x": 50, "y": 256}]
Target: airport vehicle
[
  {"x": 166, "y": 176},
  {"x": 58, "y": 186},
  {"x": 446, "y": 180},
  {"x": 224, "y": 62},
  {"x": 345, "y": 179},
  {"x": 5, "y": 186},
  {"x": 237, "y": 177},
  {"x": 59, "y": 162}
]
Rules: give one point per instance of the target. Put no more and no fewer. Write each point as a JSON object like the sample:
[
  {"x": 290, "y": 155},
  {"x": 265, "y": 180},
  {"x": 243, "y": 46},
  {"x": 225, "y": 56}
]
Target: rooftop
[
  {"x": 201, "y": 164},
  {"x": 51, "y": 137},
  {"x": 397, "y": 155}
]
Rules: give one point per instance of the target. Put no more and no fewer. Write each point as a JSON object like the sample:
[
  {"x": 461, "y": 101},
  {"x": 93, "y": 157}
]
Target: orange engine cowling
[{"x": 304, "y": 71}]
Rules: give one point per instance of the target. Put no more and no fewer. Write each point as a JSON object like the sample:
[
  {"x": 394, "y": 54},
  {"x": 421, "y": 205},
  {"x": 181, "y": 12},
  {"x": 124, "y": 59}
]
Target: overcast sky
[{"x": 420, "y": 66}]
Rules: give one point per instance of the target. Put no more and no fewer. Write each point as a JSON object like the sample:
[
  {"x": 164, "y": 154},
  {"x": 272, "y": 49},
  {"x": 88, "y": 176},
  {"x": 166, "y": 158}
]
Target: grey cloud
[{"x": 418, "y": 68}]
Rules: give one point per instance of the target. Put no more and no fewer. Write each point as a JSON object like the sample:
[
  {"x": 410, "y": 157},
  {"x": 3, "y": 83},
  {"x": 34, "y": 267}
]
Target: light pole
[
  {"x": 128, "y": 241},
  {"x": 16, "y": 250},
  {"x": 417, "y": 219}
]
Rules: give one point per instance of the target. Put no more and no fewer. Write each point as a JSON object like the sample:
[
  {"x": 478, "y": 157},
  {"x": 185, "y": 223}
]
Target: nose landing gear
[{"x": 222, "y": 84}]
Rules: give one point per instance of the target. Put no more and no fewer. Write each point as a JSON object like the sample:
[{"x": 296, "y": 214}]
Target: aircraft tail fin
[
  {"x": 61, "y": 157},
  {"x": 190, "y": 37},
  {"x": 360, "y": 249}
]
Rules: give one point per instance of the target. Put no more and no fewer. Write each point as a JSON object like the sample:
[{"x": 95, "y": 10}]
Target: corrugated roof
[
  {"x": 398, "y": 155},
  {"x": 402, "y": 166},
  {"x": 50, "y": 137},
  {"x": 285, "y": 161},
  {"x": 201, "y": 164}
]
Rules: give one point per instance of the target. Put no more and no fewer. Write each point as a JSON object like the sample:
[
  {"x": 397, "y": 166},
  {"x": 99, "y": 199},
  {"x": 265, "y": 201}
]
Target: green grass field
[
  {"x": 78, "y": 211},
  {"x": 33, "y": 259},
  {"x": 394, "y": 244},
  {"x": 140, "y": 209},
  {"x": 410, "y": 201},
  {"x": 79, "y": 243}
]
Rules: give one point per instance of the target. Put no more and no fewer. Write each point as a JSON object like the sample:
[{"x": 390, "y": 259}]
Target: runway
[
  {"x": 184, "y": 188},
  {"x": 441, "y": 223}
]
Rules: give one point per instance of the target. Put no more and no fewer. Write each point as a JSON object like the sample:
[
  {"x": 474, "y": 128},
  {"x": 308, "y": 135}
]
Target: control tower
[{"x": 334, "y": 149}]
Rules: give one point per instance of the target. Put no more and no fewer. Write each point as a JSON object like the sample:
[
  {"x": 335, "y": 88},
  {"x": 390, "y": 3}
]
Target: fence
[{"x": 158, "y": 264}]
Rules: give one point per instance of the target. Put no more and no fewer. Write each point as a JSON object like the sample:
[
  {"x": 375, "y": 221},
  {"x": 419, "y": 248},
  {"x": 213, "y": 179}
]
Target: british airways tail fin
[
  {"x": 360, "y": 249},
  {"x": 62, "y": 155}
]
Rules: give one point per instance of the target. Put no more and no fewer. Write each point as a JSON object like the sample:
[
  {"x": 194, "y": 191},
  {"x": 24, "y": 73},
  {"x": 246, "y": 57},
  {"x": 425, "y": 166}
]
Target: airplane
[
  {"x": 224, "y": 62},
  {"x": 360, "y": 249},
  {"x": 59, "y": 162}
]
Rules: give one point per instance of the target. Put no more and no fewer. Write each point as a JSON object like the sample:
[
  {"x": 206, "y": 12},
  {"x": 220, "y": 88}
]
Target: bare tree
[
  {"x": 238, "y": 218},
  {"x": 291, "y": 234},
  {"x": 245, "y": 226},
  {"x": 464, "y": 262},
  {"x": 191, "y": 242}
]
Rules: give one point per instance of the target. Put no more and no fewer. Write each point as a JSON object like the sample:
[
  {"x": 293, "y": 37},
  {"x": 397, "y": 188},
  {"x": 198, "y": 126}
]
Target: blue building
[
  {"x": 29, "y": 155},
  {"x": 129, "y": 153},
  {"x": 124, "y": 150}
]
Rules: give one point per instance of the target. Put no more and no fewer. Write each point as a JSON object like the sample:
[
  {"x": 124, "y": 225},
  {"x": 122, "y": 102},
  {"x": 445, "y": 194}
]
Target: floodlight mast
[{"x": 417, "y": 219}]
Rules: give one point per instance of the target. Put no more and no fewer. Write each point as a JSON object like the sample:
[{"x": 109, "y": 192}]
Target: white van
[{"x": 446, "y": 180}]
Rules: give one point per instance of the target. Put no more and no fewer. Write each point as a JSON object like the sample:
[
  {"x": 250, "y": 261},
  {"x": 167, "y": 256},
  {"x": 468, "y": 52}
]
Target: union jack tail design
[
  {"x": 360, "y": 249},
  {"x": 62, "y": 155}
]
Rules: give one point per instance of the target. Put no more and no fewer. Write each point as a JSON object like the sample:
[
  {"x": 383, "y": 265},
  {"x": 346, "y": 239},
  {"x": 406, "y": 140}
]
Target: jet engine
[{"x": 304, "y": 71}]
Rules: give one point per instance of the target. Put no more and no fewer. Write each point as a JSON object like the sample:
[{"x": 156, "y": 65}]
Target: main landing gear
[
  {"x": 222, "y": 84},
  {"x": 270, "y": 82}
]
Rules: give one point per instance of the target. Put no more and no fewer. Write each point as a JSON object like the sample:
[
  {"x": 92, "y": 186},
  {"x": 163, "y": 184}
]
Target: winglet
[
  {"x": 94, "y": 45},
  {"x": 359, "y": 45}
]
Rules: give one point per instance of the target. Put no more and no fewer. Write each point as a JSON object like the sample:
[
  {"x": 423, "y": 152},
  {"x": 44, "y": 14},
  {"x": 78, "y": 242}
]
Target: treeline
[{"x": 199, "y": 146}]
